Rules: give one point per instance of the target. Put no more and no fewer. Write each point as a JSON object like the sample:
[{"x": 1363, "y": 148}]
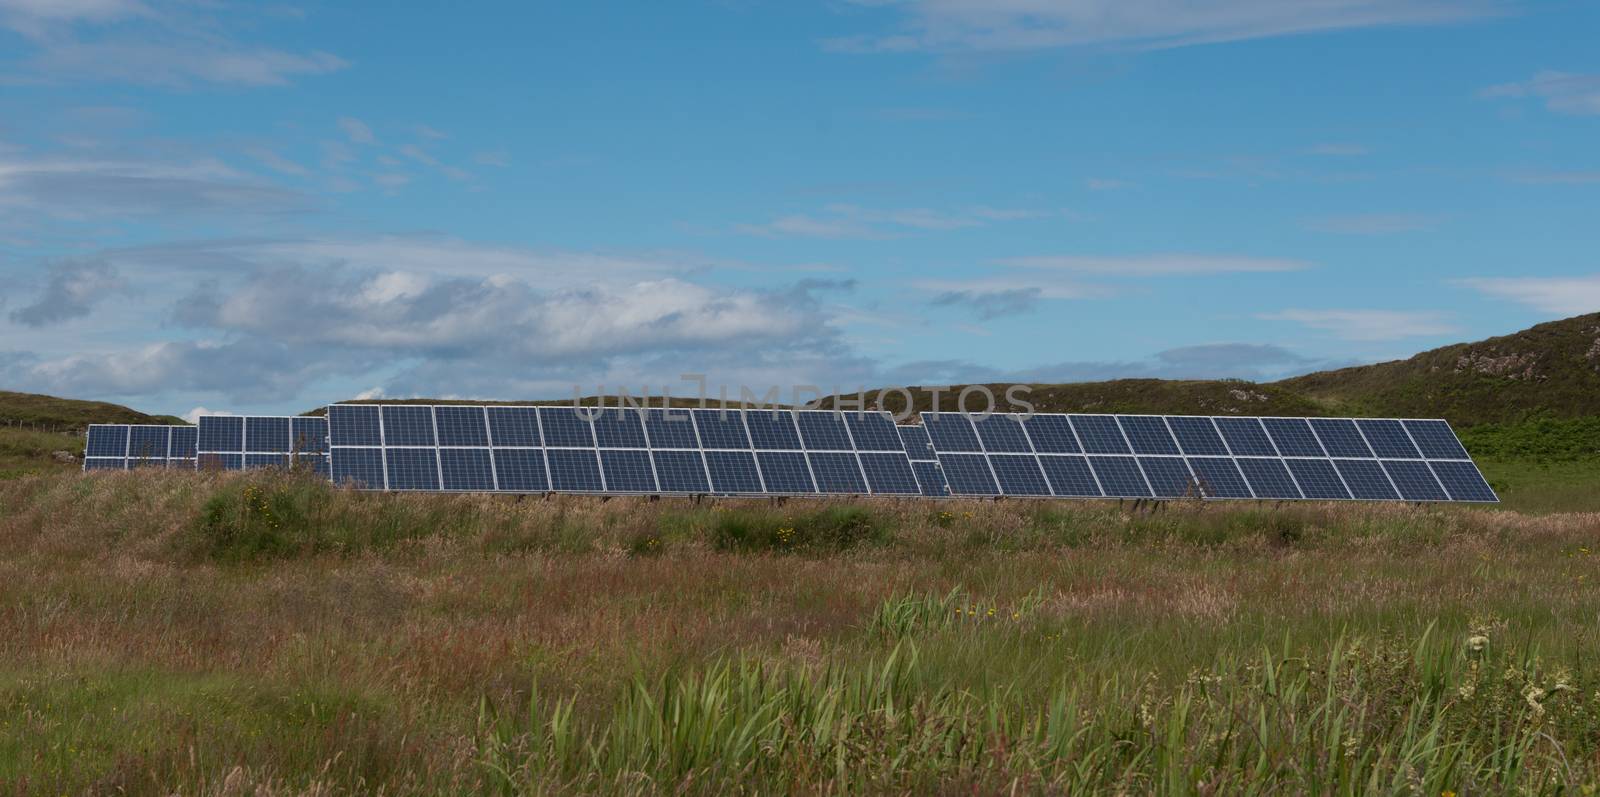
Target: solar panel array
[
  {"x": 822, "y": 452},
  {"x": 618, "y": 450},
  {"x": 1177, "y": 456},
  {"x": 235, "y": 442},
  {"x": 119, "y": 446}
]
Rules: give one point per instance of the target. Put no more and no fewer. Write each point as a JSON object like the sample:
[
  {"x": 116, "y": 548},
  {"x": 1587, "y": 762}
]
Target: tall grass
[{"x": 1366, "y": 719}]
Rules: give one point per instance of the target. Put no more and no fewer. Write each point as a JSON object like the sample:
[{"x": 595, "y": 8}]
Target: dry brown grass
[{"x": 136, "y": 655}]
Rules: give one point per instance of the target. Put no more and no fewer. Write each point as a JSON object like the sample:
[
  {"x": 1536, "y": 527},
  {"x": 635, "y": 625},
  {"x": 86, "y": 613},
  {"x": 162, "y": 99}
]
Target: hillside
[
  {"x": 51, "y": 413},
  {"x": 1550, "y": 370}
]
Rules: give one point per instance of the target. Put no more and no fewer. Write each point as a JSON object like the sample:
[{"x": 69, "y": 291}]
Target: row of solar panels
[{"x": 784, "y": 452}]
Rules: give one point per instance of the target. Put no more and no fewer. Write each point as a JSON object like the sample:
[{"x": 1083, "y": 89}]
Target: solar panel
[
  {"x": 1148, "y": 434},
  {"x": 1340, "y": 437},
  {"x": 183, "y": 442},
  {"x": 1293, "y": 437},
  {"x": 681, "y": 471},
  {"x": 1119, "y": 476},
  {"x": 1219, "y": 477},
  {"x": 105, "y": 463},
  {"x": 823, "y": 430},
  {"x": 1318, "y": 478},
  {"x": 107, "y": 440},
  {"x": 412, "y": 468},
  {"x": 1052, "y": 434},
  {"x": 628, "y": 471},
  {"x": 950, "y": 432},
  {"x": 1245, "y": 437},
  {"x": 772, "y": 430},
  {"x": 233, "y": 442},
  {"x": 1436, "y": 440},
  {"x": 462, "y": 426},
  {"x": 968, "y": 474},
  {"x": 1169, "y": 477},
  {"x": 722, "y": 429},
  {"x": 359, "y": 467},
  {"x": 1100, "y": 434},
  {"x": 784, "y": 472},
  {"x": 1268, "y": 478},
  {"x": 1002, "y": 433},
  {"x": 1070, "y": 477},
  {"x": 733, "y": 472},
  {"x": 408, "y": 425},
  {"x": 1462, "y": 480},
  {"x": 1388, "y": 438},
  {"x": 348, "y": 425},
  {"x": 837, "y": 472},
  {"x": 1019, "y": 474},
  {"x": 566, "y": 427},
  {"x": 574, "y": 470},
  {"x": 916, "y": 443},
  {"x": 619, "y": 428},
  {"x": 873, "y": 431},
  {"x": 148, "y": 443},
  {"x": 469, "y": 469},
  {"x": 1366, "y": 479},
  {"x": 519, "y": 470},
  {"x": 930, "y": 479},
  {"x": 512, "y": 426},
  {"x": 1414, "y": 480},
  {"x": 888, "y": 474},
  {"x": 1197, "y": 436},
  {"x": 121, "y": 446}
]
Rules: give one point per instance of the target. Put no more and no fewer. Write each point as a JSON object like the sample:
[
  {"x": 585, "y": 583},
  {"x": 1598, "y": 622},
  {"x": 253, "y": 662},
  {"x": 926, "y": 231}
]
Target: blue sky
[{"x": 270, "y": 207}]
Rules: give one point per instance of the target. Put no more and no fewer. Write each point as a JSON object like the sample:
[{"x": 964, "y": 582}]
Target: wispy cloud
[
  {"x": 73, "y": 288},
  {"x": 851, "y": 221},
  {"x": 991, "y": 304},
  {"x": 1372, "y": 224},
  {"x": 79, "y": 188},
  {"x": 1016, "y": 25},
  {"x": 1156, "y": 265},
  {"x": 1562, "y": 296},
  {"x": 356, "y": 130},
  {"x": 1252, "y": 361},
  {"x": 1369, "y": 325},
  {"x": 1562, "y": 92}
]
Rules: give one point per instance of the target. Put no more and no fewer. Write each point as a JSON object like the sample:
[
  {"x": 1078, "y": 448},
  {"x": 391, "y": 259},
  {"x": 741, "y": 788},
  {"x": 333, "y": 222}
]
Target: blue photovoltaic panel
[
  {"x": 670, "y": 428},
  {"x": 681, "y": 471},
  {"x": 357, "y": 467},
  {"x": 721, "y": 429},
  {"x": 1052, "y": 434},
  {"x": 107, "y": 440},
  {"x": 1148, "y": 434},
  {"x": 1463, "y": 481},
  {"x": 266, "y": 460},
  {"x": 148, "y": 442},
  {"x": 520, "y": 470},
  {"x": 1340, "y": 437},
  {"x": 1219, "y": 477},
  {"x": 1268, "y": 477},
  {"x": 236, "y": 462},
  {"x": 772, "y": 430},
  {"x": 837, "y": 473},
  {"x": 1414, "y": 480},
  {"x": 930, "y": 479},
  {"x": 1436, "y": 439},
  {"x": 267, "y": 435},
  {"x": 412, "y": 468},
  {"x": 823, "y": 430},
  {"x": 1169, "y": 477},
  {"x": 1019, "y": 474},
  {"x": 1293, "y": 437},
  {"x": 105, "y": 463},
  {"x": 619, "y": 428},
  {"x": 514, "y": 426},
  {"x": 466, "y": 468},
  {"x": 408, "y": 425},
  {"x": 461, "y": 426},
  {"x": 951, "y": 433},
  {"x": 1245, "y": 437},
  {"x": 968, "y": 474},
  {"x": 1002, "y": 434},
  {"x": 1197, "y": 436},
  {"x": 888, "y": 474},
  {"x": 135, "y": 462},
  {"x": 873, "y": 431},
  {"x": 1119, "y": 476},
  {"x": 307, "y": 435},
  {"x": 566, "y": 427},
  {"x": 1069, "y": 476},
  {"x": 348, "y": 425},
  {"x": 1099, "y": 434},
  {"x": 1388, "y": 439},
  {"x": 785, "y": 471},
  {"x": 183, "y": 442},
  {"x": 1317, "y": 479},
  {"x": 733, "y": 472},
  {"x": 918, "y": 446},
  {"x": 573, "y": 470},
  {"x": 316, "y": 463},
  {"x": 627, "y": 471},
  {"x": 1366, "y": 479},
  {"x": 225, "y": 433}
]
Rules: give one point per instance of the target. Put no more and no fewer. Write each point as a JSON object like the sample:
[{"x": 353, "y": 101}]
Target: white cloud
[
  {"x": 91, "y": 188},
  {"x": 851, "y": 221},
  {"x": 1562, "y": 296},
  {"x": 74, "y": 287},
  {"x": 1015, "y": 25},
  {"x": 1156, "y": 265},
  {"x": 34, "y": 17},
  {"x": 1014, "y": 285},
  {"x": 1562, "y": 92},
  {"x": 193, "y": 416},
  {"x": 356, "y": 130},
  {"x": 1372, "y": 224},
  {"x": 1369, "y": 325}
]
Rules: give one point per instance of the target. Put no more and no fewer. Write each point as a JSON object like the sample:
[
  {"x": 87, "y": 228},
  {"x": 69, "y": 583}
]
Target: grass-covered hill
[{"x": 67, "y": 415}]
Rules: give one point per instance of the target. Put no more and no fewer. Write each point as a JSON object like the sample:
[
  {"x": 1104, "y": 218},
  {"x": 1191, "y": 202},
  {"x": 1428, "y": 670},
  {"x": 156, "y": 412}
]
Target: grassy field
[{"x": 223, "y": 634}]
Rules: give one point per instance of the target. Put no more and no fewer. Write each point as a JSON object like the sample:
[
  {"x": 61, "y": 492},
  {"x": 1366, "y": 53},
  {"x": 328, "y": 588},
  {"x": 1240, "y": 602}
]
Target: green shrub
[{"x": 833, "y": 528}]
